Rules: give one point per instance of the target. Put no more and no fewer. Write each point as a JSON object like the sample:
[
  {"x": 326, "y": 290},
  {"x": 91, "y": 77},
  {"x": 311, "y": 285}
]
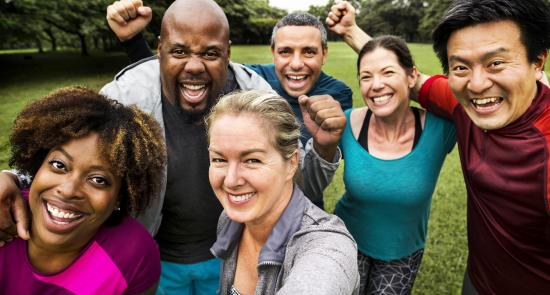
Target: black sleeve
[{"x": 137, "y": 48}]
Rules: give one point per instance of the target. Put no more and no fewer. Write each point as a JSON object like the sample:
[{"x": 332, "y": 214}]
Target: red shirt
[{"x": 508, "y": 182}]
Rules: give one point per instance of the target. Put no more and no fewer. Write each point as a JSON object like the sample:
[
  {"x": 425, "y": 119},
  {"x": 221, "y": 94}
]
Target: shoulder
[
  {"x": 264, "y": 70},
  {"x": 435, "y": 122},
  {"x": 356, "y": 118},
  {"x": 317, "y": 222},
  {"x": 134, "y": 252},
  {"x": 130, "y": 233},
  {"x": 248, "y": 79},
  {"x": 138, "y": 83},
  {"x": 542, "y": 122}
]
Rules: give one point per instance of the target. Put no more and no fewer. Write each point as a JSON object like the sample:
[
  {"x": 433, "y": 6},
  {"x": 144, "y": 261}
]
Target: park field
[{"x": 27, "y": 76}]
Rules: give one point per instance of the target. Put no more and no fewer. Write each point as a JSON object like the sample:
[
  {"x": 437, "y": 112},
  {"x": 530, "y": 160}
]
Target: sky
[{"x": 292, "y": 5}]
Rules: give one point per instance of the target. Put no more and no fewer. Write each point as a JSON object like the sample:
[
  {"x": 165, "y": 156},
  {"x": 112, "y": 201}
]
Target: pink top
[{"x": 119, "y": 259}]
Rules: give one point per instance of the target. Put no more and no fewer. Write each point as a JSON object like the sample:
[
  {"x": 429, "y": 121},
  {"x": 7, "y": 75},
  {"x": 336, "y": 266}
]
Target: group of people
[{"x": 224, "y": 165}]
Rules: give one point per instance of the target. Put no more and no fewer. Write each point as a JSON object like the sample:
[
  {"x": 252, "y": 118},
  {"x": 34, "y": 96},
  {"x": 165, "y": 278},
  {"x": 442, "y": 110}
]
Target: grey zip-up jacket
[
  {"x": 307, "y": 252},
  {"x": 139, "y": 84}
]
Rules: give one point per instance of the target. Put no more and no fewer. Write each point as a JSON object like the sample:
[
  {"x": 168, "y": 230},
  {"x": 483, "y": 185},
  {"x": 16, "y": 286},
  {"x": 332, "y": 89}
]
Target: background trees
[{"x": 81, "y": 25}]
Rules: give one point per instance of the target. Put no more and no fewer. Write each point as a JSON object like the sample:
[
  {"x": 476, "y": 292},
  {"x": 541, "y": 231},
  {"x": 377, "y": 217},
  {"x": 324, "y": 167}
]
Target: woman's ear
[
  {"x": 293, "y": 164},
  {"x": 412, "y": 78}
]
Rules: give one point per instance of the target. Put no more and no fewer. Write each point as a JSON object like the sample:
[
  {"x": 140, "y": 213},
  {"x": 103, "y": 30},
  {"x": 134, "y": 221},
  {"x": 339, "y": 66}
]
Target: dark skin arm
[
  {"x": 127, "y": 19},
  {"x": 14, "y": 213}
]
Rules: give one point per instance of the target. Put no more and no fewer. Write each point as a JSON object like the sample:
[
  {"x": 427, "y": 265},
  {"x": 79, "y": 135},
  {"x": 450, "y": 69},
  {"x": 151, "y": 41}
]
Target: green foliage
[{"x": 397, "y": 17}]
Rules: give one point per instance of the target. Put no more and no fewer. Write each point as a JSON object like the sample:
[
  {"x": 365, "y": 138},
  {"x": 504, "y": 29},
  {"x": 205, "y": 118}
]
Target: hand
[
  {"x": 11, "y": 202},
  {"x": 325, "y": 120},
  {"x": 341, "y": 18},
  {"x": 128, "y": 17}
]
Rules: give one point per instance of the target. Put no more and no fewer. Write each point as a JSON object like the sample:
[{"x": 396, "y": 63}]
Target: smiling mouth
[
  {"x": 380, "y": 100},
  {"x": 193, "y": 93},
  {"x": 242, "y": 198},
  {"x": 62, "y": 216},
  {"x": 296, "y": 81},
  {"x": 487, "y": 104}
]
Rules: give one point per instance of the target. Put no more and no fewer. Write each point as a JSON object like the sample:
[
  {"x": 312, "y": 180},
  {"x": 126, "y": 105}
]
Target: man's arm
[
  {"x": 127, "y": 19},
  {"x": 341, "y": 20},
  {"x": 325, "y": 120}
]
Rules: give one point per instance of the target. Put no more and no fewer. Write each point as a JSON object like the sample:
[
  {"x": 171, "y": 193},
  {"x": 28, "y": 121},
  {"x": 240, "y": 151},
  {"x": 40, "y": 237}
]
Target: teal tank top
[{"x": 387, "y": 202}]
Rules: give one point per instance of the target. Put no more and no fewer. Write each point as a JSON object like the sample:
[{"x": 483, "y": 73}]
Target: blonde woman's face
[{"x": 248, "y": 174}]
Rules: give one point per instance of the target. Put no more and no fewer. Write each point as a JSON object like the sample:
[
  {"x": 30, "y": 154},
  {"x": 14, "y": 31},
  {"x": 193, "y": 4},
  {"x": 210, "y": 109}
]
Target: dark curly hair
[{"x": 130, "y": 140}]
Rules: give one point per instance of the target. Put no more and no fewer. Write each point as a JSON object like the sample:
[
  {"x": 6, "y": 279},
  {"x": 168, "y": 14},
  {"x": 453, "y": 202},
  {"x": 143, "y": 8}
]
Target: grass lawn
[{"x": 25, "y": 76}]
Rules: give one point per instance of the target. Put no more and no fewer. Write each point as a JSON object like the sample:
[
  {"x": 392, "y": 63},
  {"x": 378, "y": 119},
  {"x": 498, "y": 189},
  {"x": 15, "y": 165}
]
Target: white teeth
[
  {"x": 241, "y": 198},
  {"x": 193, "y": 86},
  {"x": 59, "y": 213},
  {"x": 382, "y": 98},
  {"x": 295, "y": 77},
  {"x": 479, "y": 101}
]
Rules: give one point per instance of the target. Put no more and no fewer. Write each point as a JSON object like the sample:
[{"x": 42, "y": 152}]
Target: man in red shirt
[{"x": 494, "y": 53}]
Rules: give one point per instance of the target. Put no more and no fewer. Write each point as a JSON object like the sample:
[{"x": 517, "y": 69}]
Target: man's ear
[
  {"x": 539, "y": 64},
  {"x": 229, "y": 50},
  {"x": 325, "y": 53},
  {"x": 159, "y": 45}
]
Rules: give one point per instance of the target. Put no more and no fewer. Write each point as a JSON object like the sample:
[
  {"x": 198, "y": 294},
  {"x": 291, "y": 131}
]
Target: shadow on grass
[{"x": 38, "y": 67}]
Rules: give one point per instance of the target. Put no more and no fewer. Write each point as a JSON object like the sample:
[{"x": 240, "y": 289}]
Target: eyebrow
[
  {"x": 61, "y": 150},
  {"x": 485, "y": 56},
  {"x": 310, "y": 48},
  {"x": 244, "y": 153}
]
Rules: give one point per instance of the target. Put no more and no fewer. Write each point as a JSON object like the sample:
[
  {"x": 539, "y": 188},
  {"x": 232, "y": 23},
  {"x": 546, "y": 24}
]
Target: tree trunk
[
  {"x": 53, "y": 41},
  {"x": 83, "y": 47},
  {"x": 39, "y": 45}
]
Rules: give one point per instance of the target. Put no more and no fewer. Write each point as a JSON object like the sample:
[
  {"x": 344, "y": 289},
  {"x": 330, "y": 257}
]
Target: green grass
[{"x": 23, "y": 79}]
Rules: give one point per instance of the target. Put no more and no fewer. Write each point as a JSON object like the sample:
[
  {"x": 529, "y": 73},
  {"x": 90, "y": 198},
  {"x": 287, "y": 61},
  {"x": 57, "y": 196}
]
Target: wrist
[
  {"x": 326, "y": 151},
  {"x": 356, "y": 38}
]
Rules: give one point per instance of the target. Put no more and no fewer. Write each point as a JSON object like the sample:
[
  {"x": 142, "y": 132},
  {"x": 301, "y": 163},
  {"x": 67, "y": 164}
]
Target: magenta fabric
[{"x": 119, "y": 259}]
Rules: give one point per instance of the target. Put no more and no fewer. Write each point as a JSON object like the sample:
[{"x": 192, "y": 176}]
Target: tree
[
  {"x": 396, "y": 17},
  {"x": 431, "y": 17}
]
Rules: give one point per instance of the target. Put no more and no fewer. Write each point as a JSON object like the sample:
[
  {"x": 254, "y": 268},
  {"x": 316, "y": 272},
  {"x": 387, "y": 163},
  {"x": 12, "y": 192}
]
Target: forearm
[
  {"x": 317, "y": 173},
  {"x": 356, "y": 38},
  {"x": 137, "y": 48}
]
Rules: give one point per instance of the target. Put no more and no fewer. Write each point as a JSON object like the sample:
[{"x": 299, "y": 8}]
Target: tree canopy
[{"x": 53, "y": 24}]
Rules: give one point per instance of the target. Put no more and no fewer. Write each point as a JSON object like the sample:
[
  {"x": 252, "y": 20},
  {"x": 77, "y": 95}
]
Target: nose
[
  {"x": 194, "y": 65},
  {"x": 70, "y": 188},
  {"x": 296, "y": 62},
  {"x": 377, "y": 82},
  {"x": 233, "y": 178},
  {"x": 479, "y": 82}
]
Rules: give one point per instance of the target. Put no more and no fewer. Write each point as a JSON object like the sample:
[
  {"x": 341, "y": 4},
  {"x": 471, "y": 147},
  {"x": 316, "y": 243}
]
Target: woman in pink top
[{"x": 94, "y": 162}]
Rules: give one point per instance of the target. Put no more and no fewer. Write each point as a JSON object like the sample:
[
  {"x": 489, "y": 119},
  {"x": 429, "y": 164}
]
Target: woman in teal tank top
[{"x": 393, "y": 154}]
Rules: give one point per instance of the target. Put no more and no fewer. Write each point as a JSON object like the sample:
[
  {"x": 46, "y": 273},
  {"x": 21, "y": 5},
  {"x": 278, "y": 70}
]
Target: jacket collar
[{"x": 274, "y": 249}]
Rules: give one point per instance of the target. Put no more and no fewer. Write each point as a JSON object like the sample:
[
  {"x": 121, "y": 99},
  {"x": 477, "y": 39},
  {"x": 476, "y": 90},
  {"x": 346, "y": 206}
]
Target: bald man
[{"x": 178, "y": 86}]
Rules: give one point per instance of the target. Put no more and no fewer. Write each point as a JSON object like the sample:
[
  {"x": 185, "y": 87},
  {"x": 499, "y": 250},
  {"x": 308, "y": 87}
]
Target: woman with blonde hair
[{"x": 271, "y": 238}]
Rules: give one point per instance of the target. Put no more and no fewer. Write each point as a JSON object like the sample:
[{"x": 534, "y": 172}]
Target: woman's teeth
[
  {"x": 64, "y": 214},
  {"x": 382, "y": 98},
  {"x": 241, "y": 198}
]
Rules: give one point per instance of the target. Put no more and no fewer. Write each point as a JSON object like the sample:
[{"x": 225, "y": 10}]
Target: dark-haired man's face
[
  {"x": 298, "y": 56},
  {"x": 489, "y": 73},
  {"x": 193, "y": 63}
]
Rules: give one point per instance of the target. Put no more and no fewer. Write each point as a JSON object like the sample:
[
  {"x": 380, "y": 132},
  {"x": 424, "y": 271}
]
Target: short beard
[{"x": 197, "y": 116}]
